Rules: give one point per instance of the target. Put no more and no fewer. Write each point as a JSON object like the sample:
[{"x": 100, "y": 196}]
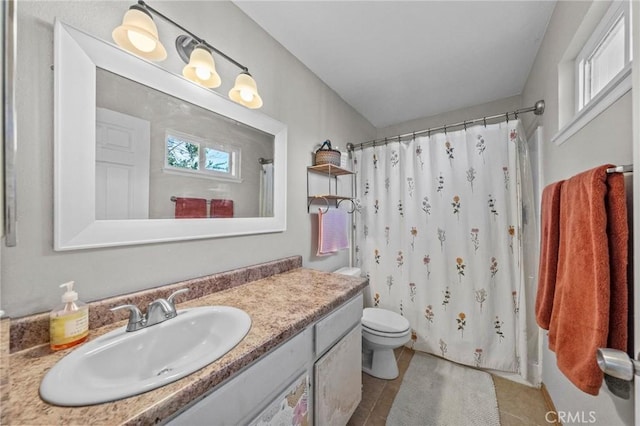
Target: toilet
[{"x": 382, "y": 332}]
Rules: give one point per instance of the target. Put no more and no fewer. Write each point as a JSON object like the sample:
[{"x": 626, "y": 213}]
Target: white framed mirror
[{"x": 80, "y": 218}]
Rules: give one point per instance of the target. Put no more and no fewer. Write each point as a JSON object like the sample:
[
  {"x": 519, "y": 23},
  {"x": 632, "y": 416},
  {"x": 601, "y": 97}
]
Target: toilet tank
[
  {"x": 352, "y": 272},
  {"x": 357, "y": 272}
]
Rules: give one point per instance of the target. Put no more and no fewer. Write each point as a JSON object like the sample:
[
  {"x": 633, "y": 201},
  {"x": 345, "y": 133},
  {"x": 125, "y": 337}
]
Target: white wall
[
  {"x": 607, "y": 139},
  {"x": 32, "y": 271}
]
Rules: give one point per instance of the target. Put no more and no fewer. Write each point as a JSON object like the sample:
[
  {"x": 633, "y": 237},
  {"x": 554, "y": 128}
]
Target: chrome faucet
[{"x": 158, "y": 311}]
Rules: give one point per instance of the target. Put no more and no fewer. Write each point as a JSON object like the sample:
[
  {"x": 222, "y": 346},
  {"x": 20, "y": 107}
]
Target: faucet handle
[
  {"x": 136, "y": 320},
  {"x": 176, "y": 293}
]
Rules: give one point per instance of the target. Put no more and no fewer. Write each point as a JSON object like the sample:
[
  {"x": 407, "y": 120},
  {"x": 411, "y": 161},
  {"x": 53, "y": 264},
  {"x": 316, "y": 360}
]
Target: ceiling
[{"x": 395, "y": 61}]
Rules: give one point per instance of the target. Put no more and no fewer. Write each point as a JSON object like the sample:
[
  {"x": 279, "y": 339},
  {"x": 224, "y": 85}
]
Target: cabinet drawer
[{"x": 336, "y": 324}]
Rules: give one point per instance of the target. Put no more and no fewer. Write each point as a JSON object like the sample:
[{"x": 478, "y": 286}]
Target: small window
[
  {"x": 605, "y": 56},
  {"x": 218, "y": 161},
  {"x": 190, "y": 154},
  {"x": 182, "y": 154}
]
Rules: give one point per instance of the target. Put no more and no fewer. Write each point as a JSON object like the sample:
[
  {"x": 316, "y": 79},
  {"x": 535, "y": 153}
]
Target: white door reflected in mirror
[{"x": 122, "y": 166}]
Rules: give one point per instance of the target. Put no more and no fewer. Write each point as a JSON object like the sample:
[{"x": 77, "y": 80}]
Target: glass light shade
[
  {"x": 245, "y": 91},
  {"x": 201, "y": 68},
  {"x": 138, "y": 34}
]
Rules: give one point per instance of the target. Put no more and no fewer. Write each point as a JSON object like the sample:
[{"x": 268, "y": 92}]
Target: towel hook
[
  {"x": 326, "y": 201},
  {"x": 352, "y": 203},
  {"x": 315, "y": 198}
]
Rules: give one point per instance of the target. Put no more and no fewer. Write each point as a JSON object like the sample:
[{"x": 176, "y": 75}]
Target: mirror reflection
[{"x": 160, "y": 157}]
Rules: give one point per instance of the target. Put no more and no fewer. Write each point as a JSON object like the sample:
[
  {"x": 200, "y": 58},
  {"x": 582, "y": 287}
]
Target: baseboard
[{"x": 549, "y": 403}]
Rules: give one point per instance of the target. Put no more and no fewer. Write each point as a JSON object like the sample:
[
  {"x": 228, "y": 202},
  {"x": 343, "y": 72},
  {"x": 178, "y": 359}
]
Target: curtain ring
[
  {"x": 464, "y": 123},
  {"x": 515, "y": 113},
  {"x": 414, "y": 136},
  {"x": 429, "y": 133},
  {"x": 445, "y": 129},
  {"x": 507, "y": 115},
  {"x": 385, "y": 141},
  {"x": 484, "y": 119}
]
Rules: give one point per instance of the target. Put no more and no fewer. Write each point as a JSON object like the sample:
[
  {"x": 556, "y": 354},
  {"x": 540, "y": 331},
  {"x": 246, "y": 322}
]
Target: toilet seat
[
  {"x": 383, "y": 334},
  {"x": 382, "y": 322}
]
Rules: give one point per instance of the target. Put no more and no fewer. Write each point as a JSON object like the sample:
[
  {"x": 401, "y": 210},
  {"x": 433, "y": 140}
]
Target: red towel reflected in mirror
[
  {"x": 221, "y": 208},
  {"x": 190, "y": 208}
]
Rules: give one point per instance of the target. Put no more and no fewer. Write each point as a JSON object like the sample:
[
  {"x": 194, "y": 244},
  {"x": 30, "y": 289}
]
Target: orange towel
[
  {"x": 618, "y": 233},
  {"x": 592, "y": 214},
  {"x": 189, "y": 208},
  {"x": 221, "y": 208},
  {"x": 549, "y": 244}
]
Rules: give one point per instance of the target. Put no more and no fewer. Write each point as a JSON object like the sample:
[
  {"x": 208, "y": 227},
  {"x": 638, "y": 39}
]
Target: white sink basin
[{"x": 120, "y": 364}]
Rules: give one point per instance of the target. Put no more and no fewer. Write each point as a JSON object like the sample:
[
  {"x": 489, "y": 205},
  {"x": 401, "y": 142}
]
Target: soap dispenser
[{"x": 69, "y": 321}]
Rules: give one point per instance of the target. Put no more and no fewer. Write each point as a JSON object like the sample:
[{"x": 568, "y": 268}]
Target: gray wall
[
  {"x": 607, "y": 139},
  {"x": 477, "y": 111},
  {"x": 32, "y": 271}
]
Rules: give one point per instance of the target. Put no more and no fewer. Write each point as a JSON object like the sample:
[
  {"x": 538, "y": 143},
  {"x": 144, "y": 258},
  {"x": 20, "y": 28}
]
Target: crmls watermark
[{"x": 570, "y": 417}]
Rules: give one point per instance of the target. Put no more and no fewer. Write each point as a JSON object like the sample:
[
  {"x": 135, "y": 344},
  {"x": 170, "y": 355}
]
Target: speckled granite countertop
[{"x": 280, "y": 306}]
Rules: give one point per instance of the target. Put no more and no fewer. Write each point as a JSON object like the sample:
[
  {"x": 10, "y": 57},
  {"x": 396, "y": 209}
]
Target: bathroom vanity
[
  {"x": 302, "y": 351},
  {"x": 315, "y": 375}
]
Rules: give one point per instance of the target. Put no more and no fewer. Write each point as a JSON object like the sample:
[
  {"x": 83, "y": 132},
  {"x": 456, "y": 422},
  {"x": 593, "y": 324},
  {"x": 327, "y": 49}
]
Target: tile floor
[{"x": 518, "y": 404}]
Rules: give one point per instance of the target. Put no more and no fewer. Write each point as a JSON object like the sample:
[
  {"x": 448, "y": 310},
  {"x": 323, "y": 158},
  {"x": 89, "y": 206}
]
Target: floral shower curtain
[{"x": 438, "y": 234}]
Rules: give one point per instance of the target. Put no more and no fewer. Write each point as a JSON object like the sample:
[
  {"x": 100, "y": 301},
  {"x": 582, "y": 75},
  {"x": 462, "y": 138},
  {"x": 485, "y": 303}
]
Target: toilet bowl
[{"x": 382, "y": 332}]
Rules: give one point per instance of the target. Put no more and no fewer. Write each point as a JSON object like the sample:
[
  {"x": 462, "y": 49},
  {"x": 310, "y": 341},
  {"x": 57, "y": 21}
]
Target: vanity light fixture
[
  {"x": 245, "y": 91},
  {"x": 201, "y": 68},
  {"x": 138, "y": 34}
]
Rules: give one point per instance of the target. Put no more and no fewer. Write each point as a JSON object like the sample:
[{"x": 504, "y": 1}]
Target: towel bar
[
  {"x": 621, "y": 169},
  {"x": 617, "y": 363}
]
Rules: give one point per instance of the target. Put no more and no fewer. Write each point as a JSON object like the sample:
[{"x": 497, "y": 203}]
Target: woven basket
[{"x": 328, "y": 155}]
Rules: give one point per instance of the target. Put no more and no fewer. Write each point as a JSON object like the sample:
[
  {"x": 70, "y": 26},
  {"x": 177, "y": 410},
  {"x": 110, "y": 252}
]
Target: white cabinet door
[
  {"x": 291, "y": 408},
  {"x": 338, "y": 381}
]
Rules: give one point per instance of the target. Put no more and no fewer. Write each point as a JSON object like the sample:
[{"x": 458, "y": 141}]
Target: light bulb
[
  {"x": 246, "y": 95},
  {"x": 141, "y": 41},
  {"x": 203, "y": 73}
]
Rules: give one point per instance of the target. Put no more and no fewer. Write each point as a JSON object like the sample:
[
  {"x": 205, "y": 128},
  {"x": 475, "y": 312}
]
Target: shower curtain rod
[{"x": 537, "y": 109}]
